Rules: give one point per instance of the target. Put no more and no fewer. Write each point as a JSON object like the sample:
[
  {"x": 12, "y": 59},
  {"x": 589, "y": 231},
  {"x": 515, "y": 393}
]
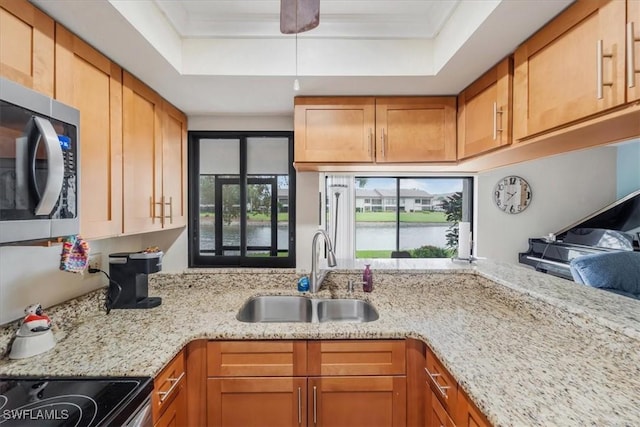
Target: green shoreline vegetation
[{"x": 412, "y": 217}]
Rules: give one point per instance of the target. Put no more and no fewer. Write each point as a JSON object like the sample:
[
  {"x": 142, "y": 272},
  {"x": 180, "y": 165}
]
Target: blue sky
[{"x": 431, "y": 185}]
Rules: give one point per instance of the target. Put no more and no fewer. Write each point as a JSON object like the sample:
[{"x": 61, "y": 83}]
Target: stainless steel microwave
[{"x": 39, "y": 166}]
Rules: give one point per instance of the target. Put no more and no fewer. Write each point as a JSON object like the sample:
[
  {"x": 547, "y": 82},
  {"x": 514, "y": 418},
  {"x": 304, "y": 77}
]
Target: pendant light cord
[{"x": 296, "y": 83}]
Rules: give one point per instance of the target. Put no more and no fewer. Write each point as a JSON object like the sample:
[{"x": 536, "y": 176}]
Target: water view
[{"x": 369, "y": 235}]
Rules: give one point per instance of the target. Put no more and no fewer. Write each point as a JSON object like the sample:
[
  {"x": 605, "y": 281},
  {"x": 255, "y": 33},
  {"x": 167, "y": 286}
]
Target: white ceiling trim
[
  {"x": 315, "y": 56},
  {"x": 338, "y": 18}
]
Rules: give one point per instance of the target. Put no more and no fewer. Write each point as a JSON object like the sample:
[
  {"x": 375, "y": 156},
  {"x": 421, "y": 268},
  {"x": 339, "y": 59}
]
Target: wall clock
[{"x": 512, "y": 194}]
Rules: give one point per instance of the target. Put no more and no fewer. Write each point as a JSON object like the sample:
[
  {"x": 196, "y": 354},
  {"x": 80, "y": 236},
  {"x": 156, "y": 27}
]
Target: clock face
[{"x": 512, "y": 194}]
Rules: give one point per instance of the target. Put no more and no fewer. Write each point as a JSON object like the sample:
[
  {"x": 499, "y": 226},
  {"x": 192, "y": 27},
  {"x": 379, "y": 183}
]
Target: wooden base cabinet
[
  {"x": 445, "y": 403},
  {"x": 257, "y": 402},
  {"x": 169, "y": 398},
  {"x": 332, "y": 383},
  {"x": 357, "y": 401}
]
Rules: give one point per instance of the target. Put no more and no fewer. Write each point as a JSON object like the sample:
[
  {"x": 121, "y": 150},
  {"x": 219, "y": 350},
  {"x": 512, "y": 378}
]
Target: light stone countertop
[{"x": 529, "y": 349}]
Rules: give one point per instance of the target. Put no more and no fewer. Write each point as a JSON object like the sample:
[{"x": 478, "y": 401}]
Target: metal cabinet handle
[
  {"x": 175, "y": 381},
  {"x": 153, "y": 210},
  {"x": 299, "y": 406},
  {"x": 383, "y": 141},
  {"x": 170, "y": 204},
  {"x": 370, "y": 141},
  {"x": 441, "y": 388},
  {"x": 600, "y": 55},
  {"x": 315, "y": 406},
  {"x": 496, "y": 129},
  {"x": 631, "y": 60}
]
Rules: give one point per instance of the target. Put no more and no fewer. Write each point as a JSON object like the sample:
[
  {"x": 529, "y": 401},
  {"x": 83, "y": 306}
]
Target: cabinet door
[
  {"x": 90, "y": 82},
  {"x": 167, "y": 387},
  {"x": 256, "y": 402},
  {"x": 415, "y": 129},
  {"x": 334, "y": 129},
  {"x": 175, "y": 415},
  {"x": 256, "y": 358},
  {"x": 633, "y": 50},
  {"x": 467, "y": 413},
  {"x": 142, "y": 157},
  {"x": 442, "y": 383},
  {"x": 437, "y": 416},
  {"x": 356, "y": 357},
  {"x": 557, "y": 70},
  {"x": 174, "y": 167},
  {"x": 484, "y": 112},
  {"x": 357, "y": 401},
  {"x": 26, "y": 45}
]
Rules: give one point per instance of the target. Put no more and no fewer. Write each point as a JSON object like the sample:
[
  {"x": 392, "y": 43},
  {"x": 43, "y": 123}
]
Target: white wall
[
  {"x": 30, "y": 274},
  {"x": 628, "y": 167},
  {"x": 566, "y": 188}
]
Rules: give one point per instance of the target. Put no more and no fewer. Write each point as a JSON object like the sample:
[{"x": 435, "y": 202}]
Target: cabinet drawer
[
  {"x": 438, "y": 416},
  {"x": 357, "y": 357},
  {"x": 167, "y": 385},
  {"x": 444, "y": 386},
  {"x": 256, "y": 358}
]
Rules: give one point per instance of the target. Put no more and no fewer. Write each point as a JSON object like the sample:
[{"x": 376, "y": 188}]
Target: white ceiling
[
  {"x": 339, "y": 18},
  {"x": 227, "y": 57}
]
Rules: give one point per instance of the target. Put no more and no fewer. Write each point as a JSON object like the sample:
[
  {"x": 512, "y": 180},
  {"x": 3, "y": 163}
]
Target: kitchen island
[{"x": 529, "y": 349}]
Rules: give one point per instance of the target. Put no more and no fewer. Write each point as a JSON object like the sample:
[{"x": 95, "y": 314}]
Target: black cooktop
[{"x": 70, "y": 402}]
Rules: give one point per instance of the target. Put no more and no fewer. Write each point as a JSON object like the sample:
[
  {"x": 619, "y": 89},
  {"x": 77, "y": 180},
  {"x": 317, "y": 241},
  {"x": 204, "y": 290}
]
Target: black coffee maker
[{"x": 128, "y": 286}]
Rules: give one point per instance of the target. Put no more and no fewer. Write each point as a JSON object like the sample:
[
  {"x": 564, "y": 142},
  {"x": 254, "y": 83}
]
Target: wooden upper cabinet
[
  {"x": 415, "y": 129},
  {"x": 26, "y": 45},
  {"x": 558, "y": 75},
  {"x": 337, "y": 129},
  {"x": 142, "y": 157},
  {"x": 484, "y": 112},
  {"x": 633, "y": 50},
  {"x": 381, "y": 130},
  {"x": 90, "y": 82},
  {"x": 174, "y": 166}
]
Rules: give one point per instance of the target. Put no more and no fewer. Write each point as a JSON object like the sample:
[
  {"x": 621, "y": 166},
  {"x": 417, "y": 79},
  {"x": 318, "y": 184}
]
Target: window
[
  {"x": 419, "y": 215},
  {"x": 241, "y": 199}
]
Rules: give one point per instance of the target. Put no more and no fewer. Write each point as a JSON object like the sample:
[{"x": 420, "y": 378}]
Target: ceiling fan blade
[{"x": 308, "y": 15}]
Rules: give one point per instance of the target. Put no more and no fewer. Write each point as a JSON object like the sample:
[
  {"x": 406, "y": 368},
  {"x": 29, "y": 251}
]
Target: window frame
[
  {"x": 195, "y": 258},
  {"x": 469, "y": 181}
]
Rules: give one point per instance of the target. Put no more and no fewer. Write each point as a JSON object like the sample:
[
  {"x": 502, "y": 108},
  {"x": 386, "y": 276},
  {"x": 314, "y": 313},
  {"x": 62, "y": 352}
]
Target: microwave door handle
[{"x": 55, "y": 170}]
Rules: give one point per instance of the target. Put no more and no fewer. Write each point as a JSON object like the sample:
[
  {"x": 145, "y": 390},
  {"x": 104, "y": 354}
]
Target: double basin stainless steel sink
[{"x": 277, "y": 308}]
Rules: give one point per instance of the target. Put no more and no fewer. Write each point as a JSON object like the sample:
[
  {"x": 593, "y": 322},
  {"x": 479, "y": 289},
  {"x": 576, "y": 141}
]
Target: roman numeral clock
[{"x": 512, "y": 194}]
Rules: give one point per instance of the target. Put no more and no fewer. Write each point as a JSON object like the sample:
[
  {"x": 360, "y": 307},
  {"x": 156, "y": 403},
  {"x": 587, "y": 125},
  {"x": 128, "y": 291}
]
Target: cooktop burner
[{"x": 70, "y": 402}]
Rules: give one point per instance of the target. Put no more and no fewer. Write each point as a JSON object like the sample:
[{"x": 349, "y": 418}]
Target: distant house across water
[{"x": 384, "y": 200}]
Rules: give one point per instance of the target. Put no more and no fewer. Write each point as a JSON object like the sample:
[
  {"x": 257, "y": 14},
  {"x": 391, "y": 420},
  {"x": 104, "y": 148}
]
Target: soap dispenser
[{"x": 367, "y": 279}]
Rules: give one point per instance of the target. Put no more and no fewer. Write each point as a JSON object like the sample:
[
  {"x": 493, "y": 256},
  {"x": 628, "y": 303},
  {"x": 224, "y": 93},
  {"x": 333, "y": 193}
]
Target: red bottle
[{"x": 367, "y": 279}]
